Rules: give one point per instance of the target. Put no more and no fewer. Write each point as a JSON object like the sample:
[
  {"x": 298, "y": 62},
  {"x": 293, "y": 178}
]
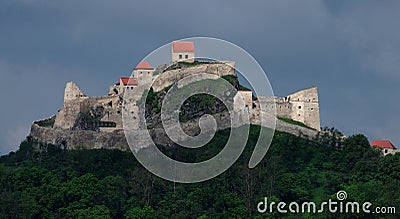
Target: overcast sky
[{"x": 349, "y": 49}]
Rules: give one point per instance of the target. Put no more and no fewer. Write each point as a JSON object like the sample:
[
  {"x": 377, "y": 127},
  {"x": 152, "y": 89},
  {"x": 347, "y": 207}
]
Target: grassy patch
[
  {"x": 235, "y": 82},
  {"x": 232, "y": 79},
  {"x": 241, "y": 87},
  {"x": 49, "y": 123},
  {"x": 294, "y": 122}
]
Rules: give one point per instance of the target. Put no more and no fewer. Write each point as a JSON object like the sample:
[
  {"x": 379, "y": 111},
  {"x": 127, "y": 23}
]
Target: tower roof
[
  {"x": 182, "y": 46},
  {"x": 382, "y": 144},
  {"x": 144, "y": 65}
]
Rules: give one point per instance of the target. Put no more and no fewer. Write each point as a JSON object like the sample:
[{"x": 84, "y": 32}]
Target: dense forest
[{"x": 42, "y": 181}]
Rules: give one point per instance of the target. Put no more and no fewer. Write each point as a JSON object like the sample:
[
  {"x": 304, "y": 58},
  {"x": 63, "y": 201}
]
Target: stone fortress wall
[
  {"x": 300, "y": 106},
  {"x": 76, "y": 102},
  {"x": 106, "y": 111},
  {"x": 168, "y": 78}
]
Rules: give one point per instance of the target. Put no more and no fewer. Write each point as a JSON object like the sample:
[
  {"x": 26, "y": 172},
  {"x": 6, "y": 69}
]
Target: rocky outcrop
[
  {"x": 76, "y": 139},
  {"x": 79, "y": 138}
]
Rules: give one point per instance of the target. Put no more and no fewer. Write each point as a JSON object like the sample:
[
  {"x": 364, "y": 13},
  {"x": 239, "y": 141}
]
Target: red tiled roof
[
  {"x": 144, "y": 65},
  {"x": 129, "y": 81},
  {"x": 182, "y": 46},
  {"x": 382, "y": 144}
]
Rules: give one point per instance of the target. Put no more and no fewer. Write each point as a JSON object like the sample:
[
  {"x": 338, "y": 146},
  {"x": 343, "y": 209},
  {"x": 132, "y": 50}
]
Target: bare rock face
[{"x": 80, "y": 139}]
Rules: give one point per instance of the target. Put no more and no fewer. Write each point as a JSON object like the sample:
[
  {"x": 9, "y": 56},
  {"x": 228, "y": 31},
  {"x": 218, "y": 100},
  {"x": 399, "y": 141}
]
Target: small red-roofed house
[
  {"x": 386, "y": 146},
  {"x": 144, "y": 66},
  {"x": 143, "y": 71},
  {"x": 123, "y": 84},
  {"x": 182, "y": 51},
  {"x": 128, "y": 81}
]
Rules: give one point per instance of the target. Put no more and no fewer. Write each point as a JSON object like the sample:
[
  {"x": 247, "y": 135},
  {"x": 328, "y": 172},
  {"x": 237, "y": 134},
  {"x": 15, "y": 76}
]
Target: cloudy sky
[{"x": 349, "y": 49}]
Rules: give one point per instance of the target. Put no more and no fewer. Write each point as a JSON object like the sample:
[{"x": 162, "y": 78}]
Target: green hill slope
[{"x": 111, "y": 183}]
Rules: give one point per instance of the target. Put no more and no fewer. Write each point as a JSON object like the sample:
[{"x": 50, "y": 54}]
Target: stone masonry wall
[
  {"x": 301, "y": 106},
  {"x": 169, "y": 77}
]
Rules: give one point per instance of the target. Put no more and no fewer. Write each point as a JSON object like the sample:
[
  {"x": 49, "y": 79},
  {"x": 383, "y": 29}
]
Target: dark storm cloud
[{"x": 349, "y": 49}]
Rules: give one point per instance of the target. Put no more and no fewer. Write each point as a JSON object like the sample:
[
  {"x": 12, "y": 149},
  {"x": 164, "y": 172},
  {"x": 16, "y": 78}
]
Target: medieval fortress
[{"x": 102, "y": 125}]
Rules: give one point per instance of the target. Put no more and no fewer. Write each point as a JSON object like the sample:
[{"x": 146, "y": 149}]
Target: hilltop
[{"x": 96, "y": 122}]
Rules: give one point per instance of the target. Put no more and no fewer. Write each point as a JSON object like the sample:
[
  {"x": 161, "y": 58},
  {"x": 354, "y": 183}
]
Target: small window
[
  {"x": 180, "y": 56},
  {"x": 312, "y": 109},
  {"x": 186, "y": 56},
  {"x": 299, "y": 107},
  {"x": 299, "y": 114}
]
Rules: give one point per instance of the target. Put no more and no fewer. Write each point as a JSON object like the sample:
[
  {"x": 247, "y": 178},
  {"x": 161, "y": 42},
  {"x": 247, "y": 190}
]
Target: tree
[{"x": 141, "y": 213}]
